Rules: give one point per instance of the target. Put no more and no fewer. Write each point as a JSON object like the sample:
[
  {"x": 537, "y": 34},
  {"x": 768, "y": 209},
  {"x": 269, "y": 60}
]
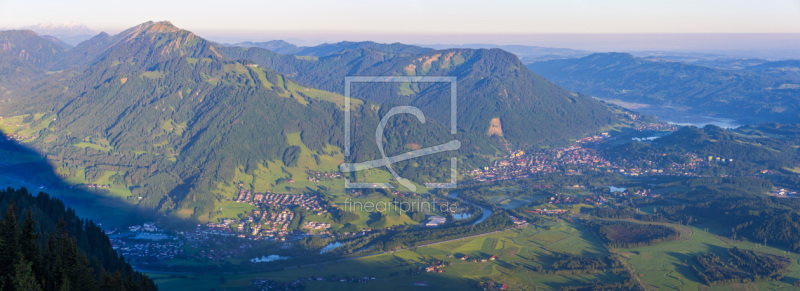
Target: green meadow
[
  {"x": 668, "y": 266},
  {"x": 515, "y": 249}
]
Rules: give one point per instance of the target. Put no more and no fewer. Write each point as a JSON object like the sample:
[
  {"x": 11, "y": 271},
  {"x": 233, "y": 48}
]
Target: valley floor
[{"x": 665, "y": 266}]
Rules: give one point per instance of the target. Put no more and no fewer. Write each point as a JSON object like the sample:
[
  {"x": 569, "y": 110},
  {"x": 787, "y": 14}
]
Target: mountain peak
[
  {"x": 153, "y": 42},
  {"x": 150, "y": 28},
  {"x": 162, "y": 27}
]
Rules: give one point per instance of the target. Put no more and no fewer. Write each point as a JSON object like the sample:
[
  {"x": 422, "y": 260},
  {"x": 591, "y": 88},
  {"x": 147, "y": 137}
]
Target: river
[{"x": 486, "y": 211}]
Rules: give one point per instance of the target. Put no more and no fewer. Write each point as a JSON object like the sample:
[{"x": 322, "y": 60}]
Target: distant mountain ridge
[
  {"x": 787, "y": 69},
  {"x": 71, "y": 33},
  {"x": 29, "y": 47},
  {"x": 738, "y": 94},
  {"x": 527, "y": 54},
  {"x": 26, "y": 57},
  {"x": 328, "y": 49}
]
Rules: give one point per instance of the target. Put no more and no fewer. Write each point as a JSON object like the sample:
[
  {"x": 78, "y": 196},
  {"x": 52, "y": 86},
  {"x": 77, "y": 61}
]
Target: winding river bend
[{"x": 486, "y": 211}]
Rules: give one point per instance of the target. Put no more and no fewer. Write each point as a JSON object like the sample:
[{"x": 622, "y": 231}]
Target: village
[
  {"x": 274, "y": 215},
  {"x": 583, "y": 157},
  {"x": 785, "y": 193},
  {"x": 16, "y": 135},
  {"x": 316, "y": 176},
  {"x": 272, "y": 219},
  {"x": 299, "y": 284},
  {"x": 148, "y": 244}
]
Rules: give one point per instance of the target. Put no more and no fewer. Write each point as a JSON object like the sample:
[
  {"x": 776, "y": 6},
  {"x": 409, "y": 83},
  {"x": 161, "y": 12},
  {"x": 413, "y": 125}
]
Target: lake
[
  {"x": 678, "y": 117},
  {"x": 486, "y": 211},
  {"x": 615, "y": 189}
]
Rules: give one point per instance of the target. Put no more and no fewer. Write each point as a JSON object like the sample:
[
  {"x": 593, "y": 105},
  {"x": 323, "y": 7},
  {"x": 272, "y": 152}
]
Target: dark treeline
[
  {"x": 564, "y": 263},
  {"x": 571, "y": 264},
  {"x": 739, "y": 266},
  {"x": 737, "y": 204},
  {"x": 623, "y": 234},
  {"x": 45, "y": 246}
]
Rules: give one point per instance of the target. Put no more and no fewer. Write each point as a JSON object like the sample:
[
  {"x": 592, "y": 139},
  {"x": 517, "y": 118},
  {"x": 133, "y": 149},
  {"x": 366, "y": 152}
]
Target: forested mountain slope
[
  {"x": 47, "y": 247},
  {"x": 492, "y": 84},
  {"x": 173, "y": 122}
]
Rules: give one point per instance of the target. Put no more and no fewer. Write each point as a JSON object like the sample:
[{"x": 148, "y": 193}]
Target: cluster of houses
[
  {"x": 275, "y": 224},
  {"x": 147, "y": 226},
  {"x": 781, "y": 192},
  {"x": 591, "y": 139},
  {"x": 95, "y": 186},
  {"x": 17, "y": 137},
  {"x": 265, "y": 284},
  {"x": 548, "y": 211},
  {"x": 316, "y": 176},
  {"x": 309, "y": 202},
  {"x": 519, "y": 221},
  {"x": 136, "y": 250},
  {"x": 494, "y": 286},
  {"x": 644, "y": 193},
  {"x": 662, "y": 126},
  {"x": 436, "y": 267},
  {"x": 213, "y": 244},
  {"x": 477, "y": 260},
  {"x": 650, "y": 168},
  {"x": 435, "y": 221},
  {"x": 262, "y": 224},
  {"x": 268, "y": 223},
  {"x": 218, "y": 255},
  {"x": 542, "y": 162},
  {"x": 299, "y": 284},
  {"x": 313, "y": 225},
  {"x": 145, "y": 241},
  {"x": 559, "y": 198},
  {"x": 713, "y": 159},
  {"x": 582, "y": 156}
]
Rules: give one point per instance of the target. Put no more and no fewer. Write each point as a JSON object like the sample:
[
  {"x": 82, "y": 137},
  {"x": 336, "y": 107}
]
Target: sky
[{"x": 417, "y": 21}]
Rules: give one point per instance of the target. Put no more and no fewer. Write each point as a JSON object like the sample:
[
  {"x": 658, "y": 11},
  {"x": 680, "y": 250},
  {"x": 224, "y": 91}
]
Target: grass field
[
  {"x": 514, "y": 248},
  {"x": 15, "y": 125},
  {"x": 667, "y": 266}
]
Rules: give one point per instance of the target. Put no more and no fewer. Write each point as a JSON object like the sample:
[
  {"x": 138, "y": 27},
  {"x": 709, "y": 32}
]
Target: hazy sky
[{"x": 424, "y": 20}]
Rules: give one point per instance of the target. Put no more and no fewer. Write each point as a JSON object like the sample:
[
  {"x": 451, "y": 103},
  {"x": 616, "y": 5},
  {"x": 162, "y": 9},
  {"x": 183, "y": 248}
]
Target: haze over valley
[{"x": 614, "y": 148}]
